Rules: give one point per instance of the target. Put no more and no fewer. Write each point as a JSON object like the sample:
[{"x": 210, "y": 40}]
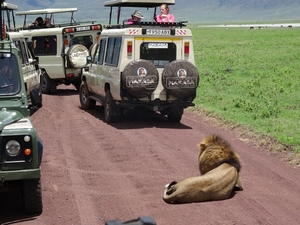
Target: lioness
[{"x": 219, "y": 165}]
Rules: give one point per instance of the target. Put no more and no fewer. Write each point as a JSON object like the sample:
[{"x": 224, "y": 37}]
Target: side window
[
  {"x": 113, "y": 51},
  {"x": 101, "y": 50},
  {"x": 45, "y": 45}
]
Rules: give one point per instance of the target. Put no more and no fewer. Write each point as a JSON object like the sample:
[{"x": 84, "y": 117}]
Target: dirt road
[{"x": 93, "y": 172}]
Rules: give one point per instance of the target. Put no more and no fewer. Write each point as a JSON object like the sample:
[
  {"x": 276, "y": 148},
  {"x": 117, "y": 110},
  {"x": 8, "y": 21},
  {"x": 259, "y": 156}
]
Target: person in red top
[{"x": 164, "y": 15}]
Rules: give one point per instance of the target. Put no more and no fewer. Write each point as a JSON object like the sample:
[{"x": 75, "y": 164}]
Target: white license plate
[
  {"x": 82, "y": 28},
  {"x": 158, "y": 32},
  {"x": 158, "y": 45}
]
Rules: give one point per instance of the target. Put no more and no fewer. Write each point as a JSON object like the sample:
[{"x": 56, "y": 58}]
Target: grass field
[{"x": 252, "y": 78}]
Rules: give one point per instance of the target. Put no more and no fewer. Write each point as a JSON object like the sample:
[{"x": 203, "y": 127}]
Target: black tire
[
  {"x": 36, "y": 98},
  {"x": 180, "y": 86},
  {"x": 137, "y": 84},
  {"x": 110, "y": 109},
  {"x": 174, "y": 117},
  {"x": 46, "y": 83},
  {"x": 76, "y": 56},
  {"x": 32, "y": 196},
  {"x": 85, "y": 101}
]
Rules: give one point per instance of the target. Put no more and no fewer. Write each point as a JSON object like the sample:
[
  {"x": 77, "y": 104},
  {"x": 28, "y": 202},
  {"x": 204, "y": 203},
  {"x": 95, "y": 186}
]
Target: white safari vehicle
[
  {"x": 62, "y": 48},
  {"x": 144, "y": 65}
]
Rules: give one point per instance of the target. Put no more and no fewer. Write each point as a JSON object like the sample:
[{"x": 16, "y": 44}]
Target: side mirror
[{"x": 88, "y": 59}]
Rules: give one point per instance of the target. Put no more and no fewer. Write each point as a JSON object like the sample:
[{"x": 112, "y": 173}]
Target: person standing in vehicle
[
  {"x": 38, "y": 23},
  {"x": 164, "y": 15},
  {"x": 135, "y": 17},
  {"x": 47, "y": 23}
]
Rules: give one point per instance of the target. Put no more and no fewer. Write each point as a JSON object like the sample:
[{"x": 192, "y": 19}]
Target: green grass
[{"x": 251, "y": 77}]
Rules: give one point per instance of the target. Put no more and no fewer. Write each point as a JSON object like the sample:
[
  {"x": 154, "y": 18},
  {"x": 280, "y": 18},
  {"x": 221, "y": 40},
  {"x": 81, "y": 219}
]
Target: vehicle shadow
[
  {"x": 11, "y": 210},
  {"x": 138, "y": 119}
]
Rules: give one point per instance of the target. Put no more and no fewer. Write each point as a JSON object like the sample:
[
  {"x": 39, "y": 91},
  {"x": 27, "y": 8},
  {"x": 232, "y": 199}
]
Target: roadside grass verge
[{"x": 251, "y": 77}]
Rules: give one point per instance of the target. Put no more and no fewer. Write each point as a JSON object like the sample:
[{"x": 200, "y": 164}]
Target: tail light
[
  {"x": 96, "y": 27},
  {"x": 69, "y": 30},
  {"x": 129, "y": 48},
  {"x": 186, "y": 48}
]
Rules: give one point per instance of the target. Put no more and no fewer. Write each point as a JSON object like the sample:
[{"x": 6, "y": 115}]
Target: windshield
[{"x": 9, "y": 74}]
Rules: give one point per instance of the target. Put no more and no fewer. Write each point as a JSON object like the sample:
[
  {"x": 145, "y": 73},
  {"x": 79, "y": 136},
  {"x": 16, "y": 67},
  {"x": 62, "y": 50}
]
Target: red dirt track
[{"x": 93, "y": 172}]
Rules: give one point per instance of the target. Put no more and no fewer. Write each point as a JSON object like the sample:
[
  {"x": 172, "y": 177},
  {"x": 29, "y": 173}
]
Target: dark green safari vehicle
[{"x": 20, "y": 148}]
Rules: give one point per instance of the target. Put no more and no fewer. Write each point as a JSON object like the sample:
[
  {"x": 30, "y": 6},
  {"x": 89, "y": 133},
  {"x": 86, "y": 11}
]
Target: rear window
[
  {"x": 160, "y": 54},
  {"x": 86, "y": 40}
]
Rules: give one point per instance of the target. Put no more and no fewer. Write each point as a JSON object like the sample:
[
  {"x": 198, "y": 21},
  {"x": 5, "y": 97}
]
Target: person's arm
[
  {"x": 158, "y": 18},
  {"x": 171, "y": 18}
]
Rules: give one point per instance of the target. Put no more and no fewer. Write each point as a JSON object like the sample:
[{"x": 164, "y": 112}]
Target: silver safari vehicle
[{"x": 143, "y": 65}]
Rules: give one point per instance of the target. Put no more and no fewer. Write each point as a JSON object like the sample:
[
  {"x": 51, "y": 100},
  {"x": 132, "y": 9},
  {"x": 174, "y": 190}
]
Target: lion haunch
[{"x": 219, "y": 166}]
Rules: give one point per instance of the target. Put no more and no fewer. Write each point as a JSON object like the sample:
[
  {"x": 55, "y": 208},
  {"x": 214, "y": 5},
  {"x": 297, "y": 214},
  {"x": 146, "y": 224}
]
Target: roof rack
[
  {"x": 7, "y": 10},
  {"x": 147, "y": 24}
]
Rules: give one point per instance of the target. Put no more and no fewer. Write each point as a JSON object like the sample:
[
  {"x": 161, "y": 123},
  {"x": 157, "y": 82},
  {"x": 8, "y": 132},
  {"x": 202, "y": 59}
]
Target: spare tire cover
[
  {"x": 140, "y": 78},
  {"x": 76, "y": 56},
  {"x": 180, "y": 78}
]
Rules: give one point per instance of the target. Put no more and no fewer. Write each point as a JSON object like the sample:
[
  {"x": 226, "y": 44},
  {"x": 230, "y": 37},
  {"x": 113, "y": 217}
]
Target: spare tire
[
  {"x": 76, "y": 56},
  {"x": 140, "y": 78},
  {"x": 180, "y": 78}
]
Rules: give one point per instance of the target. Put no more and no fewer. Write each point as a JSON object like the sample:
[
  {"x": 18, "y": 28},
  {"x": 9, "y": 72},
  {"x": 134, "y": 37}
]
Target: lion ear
[{"x": 202, "y": 146}]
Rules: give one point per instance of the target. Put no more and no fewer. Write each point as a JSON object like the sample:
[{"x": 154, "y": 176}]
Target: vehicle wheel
[
  {"x": 174, "y": 117},
  {"x": 85, "y": 101},
  {"x": 110, "y": 108},
  {"x": 32, "y": 196},
  {"x": 46, "y": 83}
]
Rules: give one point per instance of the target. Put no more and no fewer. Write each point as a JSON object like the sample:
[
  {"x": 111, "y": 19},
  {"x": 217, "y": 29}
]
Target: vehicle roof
[
  {"x": 46, "y": 11},
  {"x": 136, "y": 3},
  {"x": 15, "y": 35},
  {"x": 5, "y": 5}
]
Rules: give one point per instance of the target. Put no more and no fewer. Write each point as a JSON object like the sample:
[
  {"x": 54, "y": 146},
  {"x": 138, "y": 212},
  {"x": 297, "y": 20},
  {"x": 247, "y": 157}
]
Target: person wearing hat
[{"x": 136, "y": 16}]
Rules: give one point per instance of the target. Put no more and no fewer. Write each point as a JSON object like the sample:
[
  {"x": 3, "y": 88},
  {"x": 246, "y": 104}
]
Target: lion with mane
[{"x": 219, "y": 166}]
